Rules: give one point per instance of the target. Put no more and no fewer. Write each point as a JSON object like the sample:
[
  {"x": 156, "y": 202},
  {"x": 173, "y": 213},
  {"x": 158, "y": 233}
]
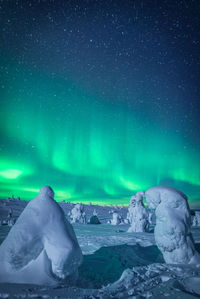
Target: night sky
[{"x": 99, "y": 99}]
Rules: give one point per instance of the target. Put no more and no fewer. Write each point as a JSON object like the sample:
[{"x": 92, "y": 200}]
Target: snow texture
[
  {"x": 77, "y": 214},
  {"x": 151, "y": 281},
  {"x": 150, "y": 217},
  {"x": 41, "y": 247},
  {"x": 142, "y": 280},
  {"x": 191, "y": 285},
  {"x": 172, "y": 230},
  {"x": 137, "y": 214}
]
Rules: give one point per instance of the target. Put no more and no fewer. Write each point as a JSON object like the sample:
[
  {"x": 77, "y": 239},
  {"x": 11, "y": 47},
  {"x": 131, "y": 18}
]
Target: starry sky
[{"x": 99, "y": 99}]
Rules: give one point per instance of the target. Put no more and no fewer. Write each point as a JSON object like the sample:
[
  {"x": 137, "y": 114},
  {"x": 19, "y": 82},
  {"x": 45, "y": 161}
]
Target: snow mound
[
  {"x": 41, "y": 247},
  {"x": 172, "y": 230},
  {"x": 94, "y": 220}
]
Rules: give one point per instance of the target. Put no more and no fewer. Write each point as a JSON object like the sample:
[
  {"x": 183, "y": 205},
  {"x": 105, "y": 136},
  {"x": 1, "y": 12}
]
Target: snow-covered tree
[
  {"x": 196, "y": 219},
  {"x": 95, "y": 212},
  {"x": 172, "y": 230},
  {"x": 41, "y": 248},
  {"x": 116, "y": 219},
  {"x": 137, "y": 214},
  {"x": 77, "y": 214},
  {"x": 94, "y": 218}
]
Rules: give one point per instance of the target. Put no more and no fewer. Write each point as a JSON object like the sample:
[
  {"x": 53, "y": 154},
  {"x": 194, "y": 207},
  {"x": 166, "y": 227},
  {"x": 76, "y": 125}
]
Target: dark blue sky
[{"x": 135, "y": 57}]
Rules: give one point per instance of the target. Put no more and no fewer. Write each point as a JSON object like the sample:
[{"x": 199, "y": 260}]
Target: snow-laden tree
[
  {"x": 172, "y": 230},
  {"x": 77, "y": 214},
  {"x": 94, "y": 218},
  {"x": 138, "y": 216},
  {"x": 196, "y": 219},
  {"x": 41, "y": 248},
  {"x": 116, "y": 219}
]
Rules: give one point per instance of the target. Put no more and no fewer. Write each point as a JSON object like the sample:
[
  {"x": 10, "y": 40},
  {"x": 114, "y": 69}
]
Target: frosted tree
[
  {"x": 138, "y": 216},
  {"x": 94, "y": 218},
  {"x": 116, "y": 219},
  {"x": 41, "y": 248},
  {"x": 95, "y": 212},
  {"x": 10, "y": 220},
  {"x": 151, "y": 215},
  {"x": 196, "y": 219},
  {"x": 77, "y": 214},
  {"x": 172, "y": 230},
  {"x": 111, "y": 211},
  {"x": 10, "y": 213}
]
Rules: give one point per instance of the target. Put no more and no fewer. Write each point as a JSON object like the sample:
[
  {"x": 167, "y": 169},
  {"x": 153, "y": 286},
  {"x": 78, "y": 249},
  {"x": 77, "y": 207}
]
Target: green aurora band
[{"x": 88, "y": 149}]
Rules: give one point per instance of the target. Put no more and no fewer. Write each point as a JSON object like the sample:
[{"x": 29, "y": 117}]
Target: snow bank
[
  {"x": 41, "y": 248},
  {"x": 172, "y": 230},
  {"x": 138, "y": 216}
]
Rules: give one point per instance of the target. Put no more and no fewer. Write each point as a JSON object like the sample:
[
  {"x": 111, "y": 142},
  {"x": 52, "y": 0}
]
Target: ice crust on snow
[
  {"x": 41, "y": 248},
  {"x": 172, "y": 230},
  {"x": 138, "y": 216},
  {"x": 77, "y": 214}
]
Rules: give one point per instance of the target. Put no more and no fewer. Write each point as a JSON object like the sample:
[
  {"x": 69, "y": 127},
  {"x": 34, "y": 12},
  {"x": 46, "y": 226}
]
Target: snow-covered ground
[
  {"x": 93, "y": 237},
  {"x": 116, "y": 264}
]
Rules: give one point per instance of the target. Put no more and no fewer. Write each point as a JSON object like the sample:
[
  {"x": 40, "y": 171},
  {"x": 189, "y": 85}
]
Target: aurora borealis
[{"x": 99, "y": 99}]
